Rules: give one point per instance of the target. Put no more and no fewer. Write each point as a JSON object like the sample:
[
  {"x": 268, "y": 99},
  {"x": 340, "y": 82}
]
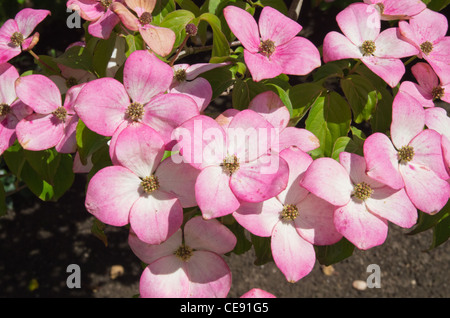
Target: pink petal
[
  {"x": 39, "y": 132},
  {"x": 7, "y": 132},
  {"x": 328, "y": 180},
  {"x": 417, "y": 92},
  {"x": 403, "y": 8},
  {"x": 243, "y": 26},
  {"x": 141, "y": 6},
  {"x": 359, "y": 226},
  {"x": 439, "y": 59},
  {"x": 156, "y": 216},
  {"x": 390, "y": 70},
  {"x": 259, "y": 218},
  {"x": 382, "y": 161},
  {"x": 68, "y": 142},
  {"x": 111, "y": 193},
  {"x": 128, "y": 19},
  {"x": 7, "y": 52},
  {"x": 428, "y": 25},
  {"x": 359, "y": 22},
  {"x": 298, "y": 137},
  {"x": 269, "y": 105},
  {"x": 38, "y": 92},
  {"x": 294, "y": 256},
  {"x": 179, "y": 180},
  {"x": 194, "y": 70},
  {"x": 140, "y": 149},
  {"x": 213, "y": 193},
  {"x": 390, "y": 45},
  {"x": 8, "y": 76},
  {"x": 89, "y": 10},
  {"x": 225, "y": 117},
  {"x": 436, "y": 118},
  {"x": 337, "y": 47},
  {"x": 427, "y": 191},
  {"x": 27, "y": 20},
  {"x": 261, "y": 67},
  {"x": 393, "y": 205},
  {"x": 102, "y": 112},
  {"x": 160, "y": 40},
  {"x": 356, "y": 168},
  {"x": 275, "y": 26},
  {"x": 199, "y": 90},
  {"x": 209, "y": 275},
  {"x": 315, "y": 222},
  {"x": 261, "y": 179},
  {"x": 103, "y": 27},
  {"x": 209, "y": 235},
  {"x": 425, "y": 76},
  {"x": 297, "y": 57},
  {"x": 257, "y": 293}
]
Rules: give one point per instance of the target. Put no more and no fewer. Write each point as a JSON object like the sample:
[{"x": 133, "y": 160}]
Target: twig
[
  {"x": 294, "y": 9},
  {"x": 42, "y": 62},
  {"x": 192, "y": 50},
  {"x": 16, "y": 190}
]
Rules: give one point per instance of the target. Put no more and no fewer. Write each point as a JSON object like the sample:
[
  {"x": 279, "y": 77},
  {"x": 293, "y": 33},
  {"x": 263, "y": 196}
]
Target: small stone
[
  {"x": 116, "y": 271},
  {"x": 328, "y": 270},
  {"x": 359, "y": 285}
]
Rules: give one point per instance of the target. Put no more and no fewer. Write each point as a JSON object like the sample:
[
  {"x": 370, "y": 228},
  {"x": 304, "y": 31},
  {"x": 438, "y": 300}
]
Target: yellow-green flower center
[
  {"x": 426, "y": 47},
  {"x": 135, "y": 111},
  {"x": 438, "y": 92},
  {"x": 60, "y": 113},
  {"x": 289, "y": 212},
  {"x": 145, "y": 18},
  {"x": 231, "y": 164},
  {"x": 267, "y": 48},
  {"x": 4, "y": 109},
  {"x": 184, "y": 253},
  {"x": 17, "y": 39},
  {"x": 405, "y": 154},
  {"x": 180, "y": 75},
  {"x": 106, "y": 3},
  {"x": 150, "y": 184},
  {"x": 362, "y": 191},
  {"x": 368, "y": 48}
]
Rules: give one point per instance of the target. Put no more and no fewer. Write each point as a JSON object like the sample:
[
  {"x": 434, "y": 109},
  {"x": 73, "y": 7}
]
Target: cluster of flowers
[{"x": 249, "y": 164}]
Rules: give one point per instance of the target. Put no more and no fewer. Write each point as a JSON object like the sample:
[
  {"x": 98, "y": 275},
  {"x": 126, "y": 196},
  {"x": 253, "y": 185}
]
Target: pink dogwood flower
[
  {"x": 99, "y": 13},
  {"x": 427, "y": 32},
  {"x": 15, "y": 34},
  {"x": 159, "y": 39},
  {"x": 139, "y": 189},
  {"x": 52, "y": 124},
  {"x": 236, "y": 163},
  {"x": 12, "y": 110},
  {"x": 295, "y": 220},
  {"x": 412, "y": 158},
  {"x": 436, "y": 118},
  {"x": 362, "y": 39},
  {"x": 107, "y": 106},
  {"x": 363, "y": 205},
  {"x": 428, "y": 89},
  {"x": 186, "y": 80},
  {"x": 397, "y": 9},
  {"x": 188, "y": 264},
  {"x": 272, "y": 47}
]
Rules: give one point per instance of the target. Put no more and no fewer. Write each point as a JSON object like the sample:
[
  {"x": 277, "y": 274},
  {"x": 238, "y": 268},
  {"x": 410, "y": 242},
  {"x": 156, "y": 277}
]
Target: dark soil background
[{"x": 39, "y": 240}]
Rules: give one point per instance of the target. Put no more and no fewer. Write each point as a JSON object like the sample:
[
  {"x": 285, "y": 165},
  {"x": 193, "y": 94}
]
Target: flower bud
[{"x": 191, "y": 29}]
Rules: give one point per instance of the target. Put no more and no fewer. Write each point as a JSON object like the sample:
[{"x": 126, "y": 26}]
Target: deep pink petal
[
  {"x": 111, "y": 193},
  {"x": 7, "y": 52},
  {"x": 294, "y": 256},
  {"x": 103, "y": 27},
  {"x": 208, "y": 235},
  {"x": 275, "y": 26},
  {"x": 261, "y": 67},
  {"x": 38, "y": 92},
  {"x": 401, "y": 9},
  {"x": 269, "y": 105},
  {"x": 390, "y": 70},
  {"x": 359, "y": 226},
  {"x": 39, "y": 132},
  {"x": 425, "y": 76},
  {"x": 27, "y": 20},
  {"x": 7, "y": 132},
  {"x": 89, "y": 10},
  {"x": 337, "y": 47},
  {"x": 8, "y": 76},
  {"x": 243, "y": 26}
]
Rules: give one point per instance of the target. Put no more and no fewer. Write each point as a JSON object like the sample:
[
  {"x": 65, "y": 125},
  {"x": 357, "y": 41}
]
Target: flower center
[
  {"x": 438, "y": 92},
  {"x": 426, "y": 47},
  {"x": 106, "y": 3},
  {"x": 191, "y": 29},
  {"x": 405, "y": 154},
  {"x": 71, "y": 81},
  {"x": 60, "y": 113},
  {"x": 180, "y": 75},
  {"x": 135, "y": 111},
  {"x": 150, "y": 184},
  {"x": 146, "y": 18},
  {"x": 368, "y": 47},
  {"x": 362, "y": 191},
  {"x": 4, "y": 109},
  {"x": 184, "y": 253},
  {"x": 17, "y": 39},
  {"x": 231, "y": 164},
  {"x": 289, "y": 212},
  {"x": 267, "y": 48}
]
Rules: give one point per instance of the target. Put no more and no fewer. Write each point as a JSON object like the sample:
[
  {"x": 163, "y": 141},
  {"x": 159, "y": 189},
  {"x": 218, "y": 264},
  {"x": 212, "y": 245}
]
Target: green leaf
[
  {"x": 45, "y": 163},
  {"x": 221, "y": 46},
  {"x": 361, "y": 95},
  {"x": 382, "y": 116},
  {"x": 88, "y": 141},
  {"x": 441, "y": 231},
  {"x": 437, "y": 5},
  {"x": 332, "y": 254},
  {"x": 330, "y": 69},
  {"x": 329, "y": 118},
  {"x": 98, "y": 230},
  {"x": 102, "y": 54},
  {"x": 76, "y": 57},
  {"x": 302, "y": 97},
  {"x": 220, "y": 79},
  {"x": 284, "y": 96},
  {"x": 48, "y": 60},
  {"x": 134, "y": 43},
  {"x": 242, "y": 243},
  {"x": 177, "y": 21},
  {"x": 262, "y": 249},
  {"x": 189, "y": 5},
  {"x": 427, "y": 221},
  {"x": 162, "y": 8},
  {"x": 276, "y": 4},
  {"x": 244, "y": 91}
]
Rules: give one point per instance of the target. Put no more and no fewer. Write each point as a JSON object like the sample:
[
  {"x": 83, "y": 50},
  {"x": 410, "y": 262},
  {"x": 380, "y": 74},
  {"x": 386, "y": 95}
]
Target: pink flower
[
  {"x": 364, "y": 205},
  {"x": 189, "y": 264},
  {"x": 427, "y": 32},
  {"x": 140, "y": 189},
  {"x": 436, "y": 118},
  {"x": 272, "y": 47},
  {"x": 380, "y": 52},
  {"x": 15, "y": 34},
  {"x": 52, "y": 124},
  {"x": 99, "y": 13},
  {"x": 295, "y": 220},
  {"x": 105, "y": 107},
  {"x": 257, "y": 293},
  {"x": 235, "y": 162},
  {"x": 397, "y": 9},
  {"x": 186, "y": 81},
  {"x": 12, "y": 110},
  {"x": 413, "y": 159},
  {"x": 160, "y": 40},
  {"x": 428, "y": 88}
]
